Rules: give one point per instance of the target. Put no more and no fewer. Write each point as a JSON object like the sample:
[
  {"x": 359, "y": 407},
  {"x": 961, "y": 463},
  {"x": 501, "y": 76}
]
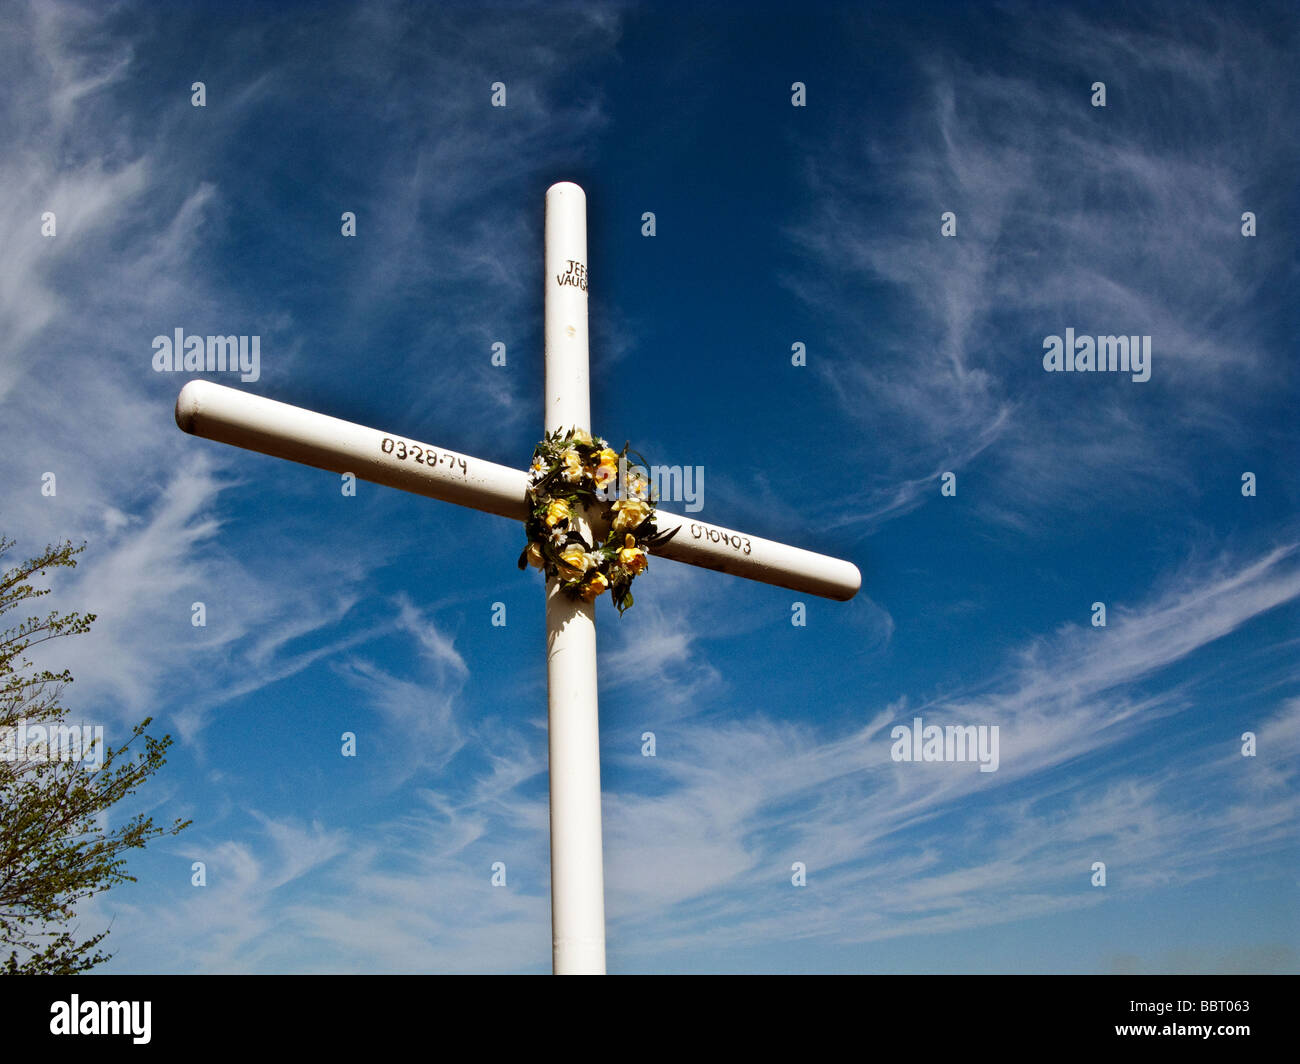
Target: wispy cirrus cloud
[
  {"x": 1117, "y": 220},
  {"x": 147, "y": 213},
  {"x": 892, "y": 842},
  {"x": 698, "y": 862}
]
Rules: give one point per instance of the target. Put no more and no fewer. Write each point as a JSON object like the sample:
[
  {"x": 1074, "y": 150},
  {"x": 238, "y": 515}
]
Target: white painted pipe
[
  {"x": 249, "y": 421},
  {"x": 216, "y": 412},
  {"x": 577, "y": 862},
  {"x": 727, "y": 551},
  {"x": 568, "y": 385}
]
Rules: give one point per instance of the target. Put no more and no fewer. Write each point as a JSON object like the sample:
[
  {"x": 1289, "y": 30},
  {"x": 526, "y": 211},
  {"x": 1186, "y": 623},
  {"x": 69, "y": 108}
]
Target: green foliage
[{"x": 55, "y": 848}]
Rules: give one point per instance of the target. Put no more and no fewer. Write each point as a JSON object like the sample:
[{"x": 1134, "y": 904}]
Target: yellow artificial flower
[
  {"x": 572, "y": 463},
  {"x": 629, "y": 513},
  {"x": 556, "y": 512},
  {"x": 573, "y": 561},
  {"x": 582, "y": 436},
  {"x": 606, "y": 466},
  {"x": 632, "y": 557},
  {"x": 535, "y": 558},
  {"x": 594, "y": 587}
]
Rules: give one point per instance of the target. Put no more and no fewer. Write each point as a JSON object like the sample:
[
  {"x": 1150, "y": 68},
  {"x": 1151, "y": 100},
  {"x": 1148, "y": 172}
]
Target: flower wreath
[{"x": 570, "y": 472}]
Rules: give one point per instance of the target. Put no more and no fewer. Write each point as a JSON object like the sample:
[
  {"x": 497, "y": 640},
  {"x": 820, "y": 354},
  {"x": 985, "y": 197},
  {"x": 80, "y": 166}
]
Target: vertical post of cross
[{"x": 577, "y": 865}]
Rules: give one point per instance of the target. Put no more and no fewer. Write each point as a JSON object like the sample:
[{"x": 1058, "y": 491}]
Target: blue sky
[{"x": 774, "y": 225}]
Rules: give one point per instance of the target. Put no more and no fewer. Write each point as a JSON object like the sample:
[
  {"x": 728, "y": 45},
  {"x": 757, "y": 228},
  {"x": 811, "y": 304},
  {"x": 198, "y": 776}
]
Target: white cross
[{"x": 577, "y": 873}]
